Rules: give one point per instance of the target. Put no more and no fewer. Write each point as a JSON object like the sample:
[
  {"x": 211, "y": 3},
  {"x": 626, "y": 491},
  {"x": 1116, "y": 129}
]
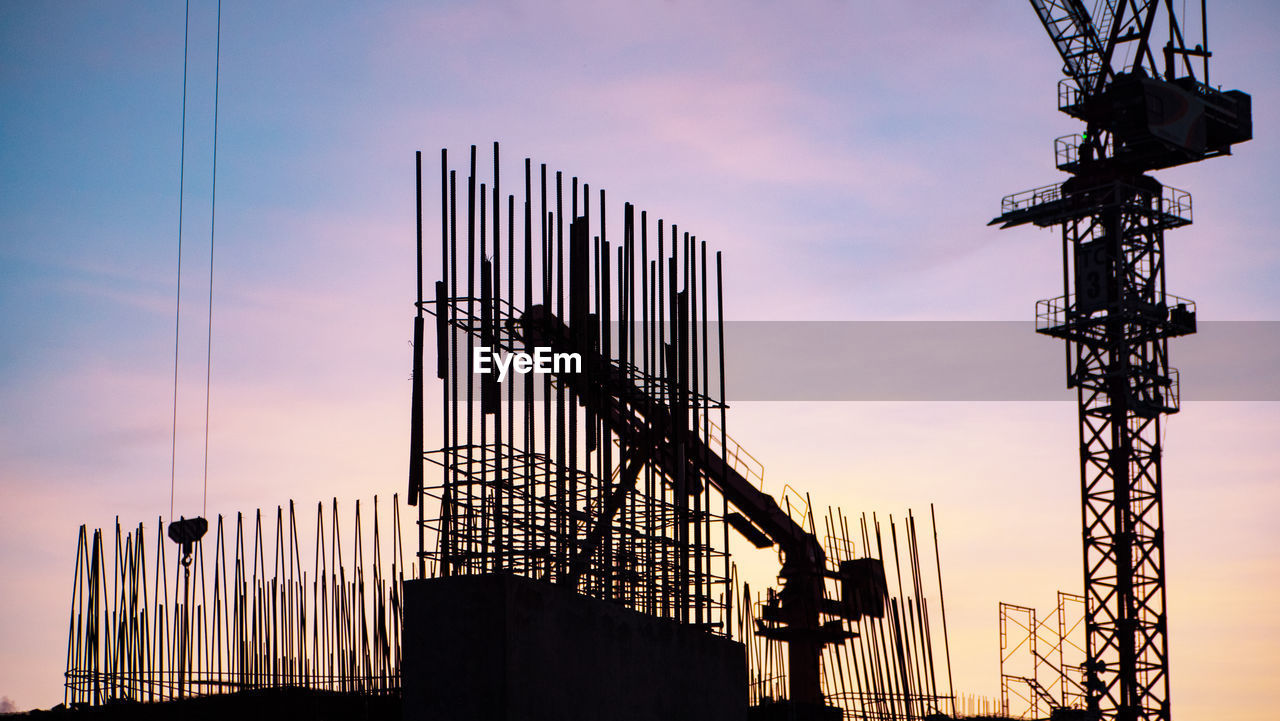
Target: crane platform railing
[
  {"x": 1052, "y": 204},
  {"x": 1060, "y": 316},
  {"x": 1066, "y": 151},
  {"x": 1028, "y": 199},
  {"x": 1071, "y": 98}
]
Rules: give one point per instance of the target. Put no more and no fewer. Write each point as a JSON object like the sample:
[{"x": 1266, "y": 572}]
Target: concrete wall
[{"x": 505, "y": 648}]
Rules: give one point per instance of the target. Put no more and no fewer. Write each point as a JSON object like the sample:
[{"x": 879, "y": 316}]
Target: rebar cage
[{"x": 525, "y": 470}]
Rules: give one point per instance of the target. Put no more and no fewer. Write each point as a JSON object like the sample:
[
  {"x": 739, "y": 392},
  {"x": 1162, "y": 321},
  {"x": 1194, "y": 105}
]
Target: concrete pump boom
[{"x": 655, "y": 433}]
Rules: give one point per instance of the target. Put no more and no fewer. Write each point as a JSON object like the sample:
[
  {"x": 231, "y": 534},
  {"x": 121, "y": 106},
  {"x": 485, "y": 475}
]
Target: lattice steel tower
[{"x": 1145, "y": 108}]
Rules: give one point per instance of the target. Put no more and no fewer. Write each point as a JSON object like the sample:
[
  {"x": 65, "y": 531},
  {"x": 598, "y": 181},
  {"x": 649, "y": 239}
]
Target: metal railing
[
  {"x": 1054, "y": 313},
  {"x": 1176, "y": 204},
  {"x": 1031, "y": 198},
  {"x": 1066, "y": 150},
  {"x": 737, "y": 457},
  {"x": 1070, "y": 95}
]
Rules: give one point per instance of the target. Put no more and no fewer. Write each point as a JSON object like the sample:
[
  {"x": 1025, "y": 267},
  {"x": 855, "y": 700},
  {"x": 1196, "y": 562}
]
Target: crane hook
[{"x": 186, "y": 532}]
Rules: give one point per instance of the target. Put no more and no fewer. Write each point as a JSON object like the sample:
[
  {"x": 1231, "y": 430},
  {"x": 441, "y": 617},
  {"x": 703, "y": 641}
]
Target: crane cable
[
  {"x": 213, "y": 206},
  {"x": 177, "y": 321},
  {"x": 173, "y": 461}
]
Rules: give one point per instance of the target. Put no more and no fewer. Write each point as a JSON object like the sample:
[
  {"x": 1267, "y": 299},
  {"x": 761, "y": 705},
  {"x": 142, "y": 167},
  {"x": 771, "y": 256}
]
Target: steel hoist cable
[
  {"x": 186, "y": 532},
  {"x": 177, "y": 315},
  {"x": 213, "y": 207}
]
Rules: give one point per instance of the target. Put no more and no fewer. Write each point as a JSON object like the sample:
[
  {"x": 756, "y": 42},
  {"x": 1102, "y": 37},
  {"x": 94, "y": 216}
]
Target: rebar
[{"x": 253, "y": 618}]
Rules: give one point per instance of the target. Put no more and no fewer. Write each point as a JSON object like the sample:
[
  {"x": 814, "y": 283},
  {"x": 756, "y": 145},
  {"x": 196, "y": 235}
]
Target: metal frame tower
[{"x": 1115, "y": 313}]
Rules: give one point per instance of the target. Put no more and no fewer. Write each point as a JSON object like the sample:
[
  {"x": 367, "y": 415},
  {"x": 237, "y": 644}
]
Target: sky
[{"x": 845, "y": 156}]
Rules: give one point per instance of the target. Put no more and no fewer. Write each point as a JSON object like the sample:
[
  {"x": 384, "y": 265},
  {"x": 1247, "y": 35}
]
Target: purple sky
[{"x": 845, "y": 157}]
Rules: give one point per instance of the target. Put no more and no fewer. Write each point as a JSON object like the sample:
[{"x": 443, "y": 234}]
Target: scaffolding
[{"x": 1042, "y": 662}]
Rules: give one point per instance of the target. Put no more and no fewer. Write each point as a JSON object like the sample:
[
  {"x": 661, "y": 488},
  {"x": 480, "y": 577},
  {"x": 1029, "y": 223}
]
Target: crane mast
[{"x": 1144, "y": 109}]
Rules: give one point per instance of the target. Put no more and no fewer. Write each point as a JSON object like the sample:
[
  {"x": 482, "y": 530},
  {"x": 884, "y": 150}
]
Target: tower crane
[{"x": 1145, "y": 107}]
